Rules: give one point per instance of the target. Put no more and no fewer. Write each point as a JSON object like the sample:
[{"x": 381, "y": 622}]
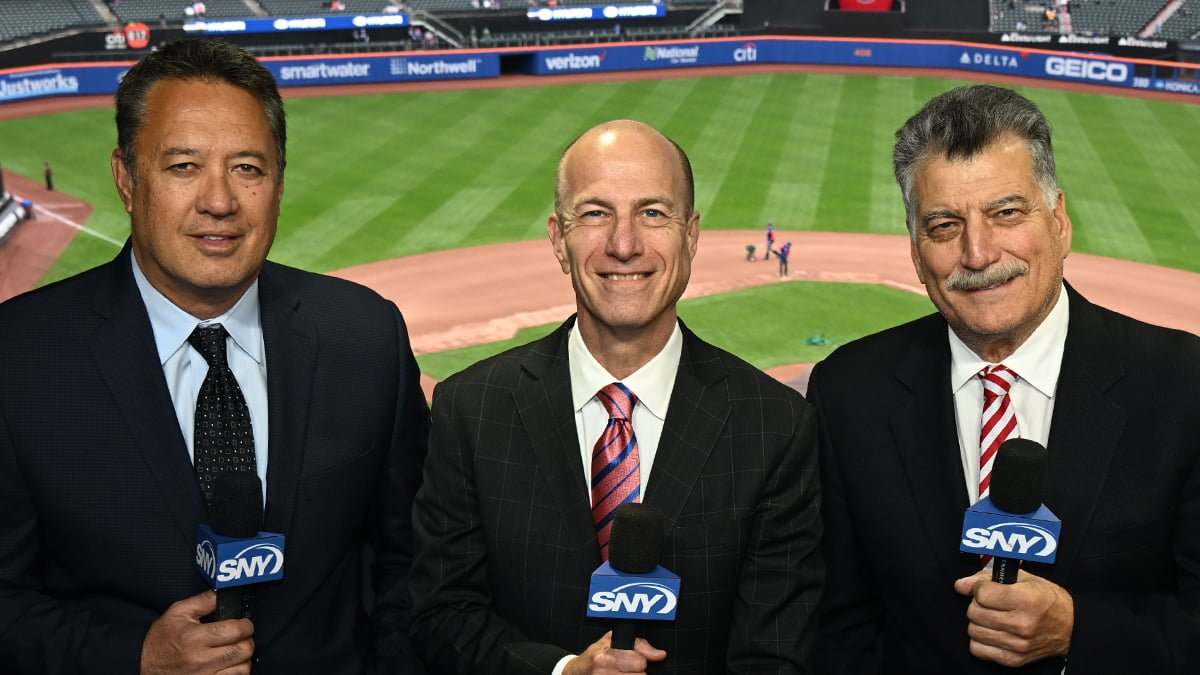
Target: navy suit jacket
[
  {"x": 99, "y": 502},
  {"x": 1124, "y": 477},
  {"x": 506, "y": 542}
]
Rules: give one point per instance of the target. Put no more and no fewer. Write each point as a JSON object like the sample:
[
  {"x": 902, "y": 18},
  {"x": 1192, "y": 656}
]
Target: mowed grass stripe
[
  {"x": 1174, "y": 170},
  {"x": 724, "y": 147},
  {"x": 743, "y": 182},
  {"x": 391, "y": 165},
  {"x": 1170, "y": 237},
  {"x": 1100, "y": 217},
  {"x": 843, "y": 202},
  {"x": 499, "y": 134},
  {"x": 367, "y": 168},
  {"x": 796, "y": 179},
  {"x": 580, "y": 110},
  {"x": 686, "y": 126},
  {"x": 886, "y": 207},
  {"x": 1181, "y": 122},
  {"x": 529, "y": 161}
]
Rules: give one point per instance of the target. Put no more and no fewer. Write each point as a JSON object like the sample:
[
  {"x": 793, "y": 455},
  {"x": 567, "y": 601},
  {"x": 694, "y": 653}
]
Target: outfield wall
[{"x": 71, "y": 79}]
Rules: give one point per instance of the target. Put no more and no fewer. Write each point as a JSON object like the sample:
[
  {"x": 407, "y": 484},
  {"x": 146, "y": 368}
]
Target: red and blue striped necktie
[{"x": 616, "y": 465}]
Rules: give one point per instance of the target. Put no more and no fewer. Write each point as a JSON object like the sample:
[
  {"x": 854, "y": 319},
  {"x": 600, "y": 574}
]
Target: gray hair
[
  {"x": 962, "y": 123},
  {"x": 201, "y": 59}
]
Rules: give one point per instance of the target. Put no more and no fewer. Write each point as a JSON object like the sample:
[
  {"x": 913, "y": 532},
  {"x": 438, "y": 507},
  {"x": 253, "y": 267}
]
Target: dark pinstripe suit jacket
[{"x": 506, "y": 544}]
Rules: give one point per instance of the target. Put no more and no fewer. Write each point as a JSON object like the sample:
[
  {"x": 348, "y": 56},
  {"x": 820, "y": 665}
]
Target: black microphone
[
  {"x": 236, "y": 511},
  {"x": 1018, "y": 486},
  {"x": 634, "y": 547}
]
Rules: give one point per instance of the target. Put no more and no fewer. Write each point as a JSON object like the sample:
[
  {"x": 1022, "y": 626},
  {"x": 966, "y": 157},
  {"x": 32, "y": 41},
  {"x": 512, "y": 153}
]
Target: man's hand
[
  {"x": 179, "y": 643},
  {"x": 601, "y": 659},
  {"x": 1019, "y": 623}
]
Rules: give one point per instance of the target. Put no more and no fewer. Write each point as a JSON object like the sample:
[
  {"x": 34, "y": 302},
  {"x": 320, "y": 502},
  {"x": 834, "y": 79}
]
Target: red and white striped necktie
[{"x": 999, "y": 424}]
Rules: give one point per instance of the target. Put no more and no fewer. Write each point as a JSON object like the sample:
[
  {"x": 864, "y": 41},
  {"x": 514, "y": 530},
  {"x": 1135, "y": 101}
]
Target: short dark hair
[
  {"x": 202, "y": 59},
  {"x": 964, "y": 122},
  {"x": 685, "y": 165}
]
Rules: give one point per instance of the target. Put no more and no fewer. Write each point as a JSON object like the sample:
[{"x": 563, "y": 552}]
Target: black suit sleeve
[
  {"x": 390, "y": 528},
  {"x": 453, "y": 623},
  {"x": 773, "y": 625},
  {"x": 851, "y": 614},
  {"x": 39, "y": 633}
]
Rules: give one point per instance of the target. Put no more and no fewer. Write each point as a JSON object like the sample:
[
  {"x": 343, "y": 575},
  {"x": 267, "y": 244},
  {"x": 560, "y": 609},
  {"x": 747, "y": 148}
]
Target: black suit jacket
[
  {"x": 506, "y": 543},
  {"x": 1123, "y": 477},
  {"x": 99, "y": 502}
]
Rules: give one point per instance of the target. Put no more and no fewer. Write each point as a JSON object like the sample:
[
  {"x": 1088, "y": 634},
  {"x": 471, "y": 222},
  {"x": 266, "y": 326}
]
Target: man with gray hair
[{"x": 911, "y": 419}]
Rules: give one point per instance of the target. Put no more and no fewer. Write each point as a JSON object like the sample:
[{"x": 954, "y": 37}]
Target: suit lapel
[
  {"x": 695, "y": 418},
  {"x": 291, "y": 353},
  {"x": 543, "y": 400},
  {"x": 127, "y": 358},
  {"x": 924, "y": 429},
  {"x": 1084, "y": 428}
]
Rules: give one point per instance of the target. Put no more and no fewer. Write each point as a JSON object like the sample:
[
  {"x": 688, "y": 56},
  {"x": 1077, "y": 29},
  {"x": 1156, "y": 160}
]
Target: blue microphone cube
[
  {"x": 1030, "y": 536},
  {"x": 617, "y": 595},
  {"x": 225, "y": 562}
]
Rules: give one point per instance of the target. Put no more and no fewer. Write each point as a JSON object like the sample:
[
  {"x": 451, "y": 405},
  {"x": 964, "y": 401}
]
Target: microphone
[
  {"x": 1011, "y": 524},
  {"x": 230, "y": 551},
  {"x": 631, "y": 585}
]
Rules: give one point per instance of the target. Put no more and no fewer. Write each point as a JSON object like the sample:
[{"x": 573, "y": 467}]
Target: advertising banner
[
  {"x": 294, "y": 72},
  {"x": 59, "y": 81},
  {"x": 295, "y": 23},
  {"x": 599, "y": 13}
]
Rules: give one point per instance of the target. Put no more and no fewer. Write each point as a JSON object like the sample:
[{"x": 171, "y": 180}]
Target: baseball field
[{"x": 376, "y": 177}]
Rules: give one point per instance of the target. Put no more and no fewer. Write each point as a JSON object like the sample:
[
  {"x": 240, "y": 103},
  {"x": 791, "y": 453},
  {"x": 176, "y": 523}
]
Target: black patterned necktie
[{"x": 224, "y": 440}]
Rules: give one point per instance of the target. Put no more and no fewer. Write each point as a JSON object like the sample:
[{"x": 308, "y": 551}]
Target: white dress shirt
[
  {"x": 652, "y": 384},
  {"x": 1036, "y": 362},
  {"x": 185, "y": 368}
]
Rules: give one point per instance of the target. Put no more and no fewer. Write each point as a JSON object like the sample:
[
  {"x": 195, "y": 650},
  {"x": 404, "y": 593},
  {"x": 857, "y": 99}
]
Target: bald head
[{"x": 606, "y": 139}]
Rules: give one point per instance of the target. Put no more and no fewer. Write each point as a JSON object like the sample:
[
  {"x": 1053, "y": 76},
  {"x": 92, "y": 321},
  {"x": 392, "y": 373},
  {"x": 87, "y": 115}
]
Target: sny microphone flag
[
  {"x": 617, "y": 595},
  {"x": 225, "y": 562},
  {"x": 991, "y": 531}
]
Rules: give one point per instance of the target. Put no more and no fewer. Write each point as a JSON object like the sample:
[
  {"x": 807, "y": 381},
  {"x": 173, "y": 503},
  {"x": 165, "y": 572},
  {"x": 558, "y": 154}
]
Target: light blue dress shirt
[{"x": 185, "y": 368}]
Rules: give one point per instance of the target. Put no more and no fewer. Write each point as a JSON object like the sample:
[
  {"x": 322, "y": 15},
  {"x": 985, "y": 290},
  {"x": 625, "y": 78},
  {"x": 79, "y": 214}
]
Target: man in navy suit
[
  {"x": 511, "y": 517},
  {"x": 99, "y": 382},
  {"x": 907, "y": 416}
]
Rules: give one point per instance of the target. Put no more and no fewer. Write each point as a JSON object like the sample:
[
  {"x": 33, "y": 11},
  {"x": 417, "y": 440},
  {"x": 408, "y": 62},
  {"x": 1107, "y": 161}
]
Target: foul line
[{"x": 38, "y": 209}]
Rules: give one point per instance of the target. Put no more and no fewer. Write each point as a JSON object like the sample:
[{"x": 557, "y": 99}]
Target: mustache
[{"x": 967, "y": 280}]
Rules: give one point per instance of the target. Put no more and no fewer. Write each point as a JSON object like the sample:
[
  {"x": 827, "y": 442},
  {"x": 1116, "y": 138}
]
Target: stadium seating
[
  {"x": 307, "y": 7},
  {"x": 1183, "y": 25},
  {"x": 150, "y": 10},
  {"x": 536, "y": 38},
  {"x": 32, "y": 18},
  {"x": 1105, "y": 17},
  {"x": 1093, "y": 17}
]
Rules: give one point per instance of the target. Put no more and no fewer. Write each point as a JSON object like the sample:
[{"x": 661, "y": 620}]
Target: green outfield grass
[
  {"x": 767, "y": 325},
  {"x": 379, "y": 176}
]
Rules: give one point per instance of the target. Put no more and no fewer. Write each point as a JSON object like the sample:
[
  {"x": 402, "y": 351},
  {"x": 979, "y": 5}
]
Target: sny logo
[
  {"x": 746, "y": 53},
  {"x": 258, "y": 560},
  {"x": 639, "y": 597},
  {"x": 1011, "y": 537}
]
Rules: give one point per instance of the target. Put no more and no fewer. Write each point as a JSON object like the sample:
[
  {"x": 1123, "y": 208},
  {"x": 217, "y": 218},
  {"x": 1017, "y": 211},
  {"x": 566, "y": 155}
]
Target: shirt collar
[
  {"x": 1037, "y": 361},
  {"x": 652, "y": 383},
  {"x": 172, "y": 325}
]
